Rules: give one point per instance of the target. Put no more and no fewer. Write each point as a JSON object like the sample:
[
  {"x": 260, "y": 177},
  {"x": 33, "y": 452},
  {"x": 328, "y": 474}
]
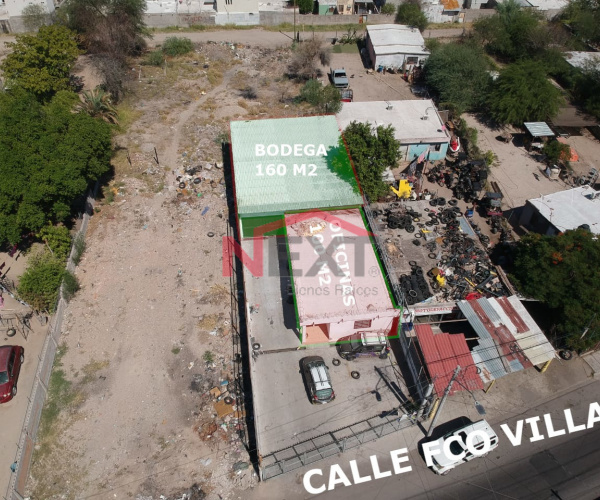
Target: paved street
[{"x": 568, "y": 464}]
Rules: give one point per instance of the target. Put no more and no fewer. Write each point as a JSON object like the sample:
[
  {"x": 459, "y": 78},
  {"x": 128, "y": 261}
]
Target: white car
[{"x": 458, "y": 448}]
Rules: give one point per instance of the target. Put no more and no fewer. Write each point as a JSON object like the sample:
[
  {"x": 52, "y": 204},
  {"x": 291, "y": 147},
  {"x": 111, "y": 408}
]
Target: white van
[{"x": 442, "y": 464}]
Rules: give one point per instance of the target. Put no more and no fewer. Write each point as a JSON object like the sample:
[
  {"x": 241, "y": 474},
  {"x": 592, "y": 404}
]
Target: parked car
[
  {"x": 339, "y": 78},
  {"x": 443, "y": 465},
  {"x": 363, "y": 344},
  {"x": 11, "y": 359},
  {"x": 318, "y": 381}
]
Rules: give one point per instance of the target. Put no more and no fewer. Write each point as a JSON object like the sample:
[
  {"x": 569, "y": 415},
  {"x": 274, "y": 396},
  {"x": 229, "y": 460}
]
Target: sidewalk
[{"x": 593, "y": 361}]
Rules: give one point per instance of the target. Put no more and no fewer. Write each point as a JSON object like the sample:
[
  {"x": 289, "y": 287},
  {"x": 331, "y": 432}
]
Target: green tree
[
  {"x": 58, "y": 240},
  {"x": 523, "y": 93},
  {"x": 458, "y": 73},
  {"x": 563, "y": 272},
  {"x": 583, "y": 16},
  {"x": 42, "y": 63},
  {"x": 411, "y": 15},
  {"x": 513, "y": 32},
  {"x": 372, "y": 151},
  {"x": 325, "y": 99},
  {"x": 40, "y": 283},
  {"x": 388, "y": 9},
  {"x": 48, "y": 157},
  {"x": 556, "y": 151},
  {"x": 97, "y": 104},
  {"x": 306, "y": 6}
]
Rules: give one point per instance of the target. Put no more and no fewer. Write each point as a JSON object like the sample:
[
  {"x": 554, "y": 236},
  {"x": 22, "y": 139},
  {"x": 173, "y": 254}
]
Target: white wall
[
  {"x": 224, "y": 6},
  {"x": 15, "y": 7},
  {"x": 346, "y": 328},
  {"x": 178, "y": 7}
]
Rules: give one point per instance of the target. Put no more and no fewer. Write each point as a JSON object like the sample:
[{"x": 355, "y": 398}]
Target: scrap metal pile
[
  {"x": 466, "y": 179},
  {"x": 458, "y": 267}
]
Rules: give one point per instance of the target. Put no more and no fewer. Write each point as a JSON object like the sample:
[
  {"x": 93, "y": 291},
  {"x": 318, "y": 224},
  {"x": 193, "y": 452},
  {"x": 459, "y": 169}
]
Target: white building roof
[
  {"x": 583, "y": 60},
  {"x": 544, "y": 4},
  {"x": 396, "y": 39},
  {"x": 414, "y": 121},
  {"x": 571, "y": 208}
]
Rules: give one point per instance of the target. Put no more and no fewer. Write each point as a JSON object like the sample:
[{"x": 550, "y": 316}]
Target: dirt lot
[{"x": 148, "y": 335}]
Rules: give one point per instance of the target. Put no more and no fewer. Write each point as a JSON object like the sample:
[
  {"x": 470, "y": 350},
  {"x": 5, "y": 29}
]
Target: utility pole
[
  {"x": 446, "y": 392},
  {"x": 294, "y": 21}
]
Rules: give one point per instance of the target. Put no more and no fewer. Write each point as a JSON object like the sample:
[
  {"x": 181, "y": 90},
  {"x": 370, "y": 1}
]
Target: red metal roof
[{"x": 443, "y": 352}]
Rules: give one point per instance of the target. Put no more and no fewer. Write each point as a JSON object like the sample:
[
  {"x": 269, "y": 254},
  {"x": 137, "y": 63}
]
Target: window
[
  {"x": 228, "y": 2},
  {"x": 412, "y": 60},
  {"x": 348, "y": 7},
  {"x": 366, "y": 323},
  {"x": 437, "y": 147},
  {"x": 340, "y": 8}
]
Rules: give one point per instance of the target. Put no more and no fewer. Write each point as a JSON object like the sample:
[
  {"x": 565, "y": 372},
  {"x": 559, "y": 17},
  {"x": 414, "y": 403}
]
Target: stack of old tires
[{"x": 414, "y": 285}]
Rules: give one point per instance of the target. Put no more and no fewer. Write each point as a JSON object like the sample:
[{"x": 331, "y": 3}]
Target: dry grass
[{"x": 208, "y": 322}]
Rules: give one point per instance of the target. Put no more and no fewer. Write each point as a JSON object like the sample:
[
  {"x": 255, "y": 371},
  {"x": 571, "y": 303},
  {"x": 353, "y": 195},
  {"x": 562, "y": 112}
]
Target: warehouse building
[{"x": 289, "y": 165}]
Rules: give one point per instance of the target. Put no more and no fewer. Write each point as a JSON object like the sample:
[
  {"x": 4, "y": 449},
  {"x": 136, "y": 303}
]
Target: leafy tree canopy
[
  {"x": 523, "y": 93},
  {"x": 372, "y": 151},
  {"x": 458, "y": 73},
  {"x": 411, "y": 15},
  {"x": 563, "y": 272},
  {"x": 326, "y": 99},
  {"x": 584, "y": 18},
  {"x": 48, "y": 157},
  {"x": 513, "y": 32},
  {"x": 556, "y": 151},
  {"x": 306, "y": 6},
  {"x": 42, "y": 63}
]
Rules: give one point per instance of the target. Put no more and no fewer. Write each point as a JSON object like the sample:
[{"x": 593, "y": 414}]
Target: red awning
[{"x": 443, "y": 352}]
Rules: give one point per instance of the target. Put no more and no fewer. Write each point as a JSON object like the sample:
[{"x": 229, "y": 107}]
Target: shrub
[
  {"x": 41, "y": 281},
  {"x": 79, "y": 246},
  {"x": 388, "y": 9},
  {"x": 208, "y": 357},
  {"x": 58, "y": 240},
  {"x": 154, "y": 58},
  {"x": 70, "y": 285},
  {"x": 175, "y": 46}
]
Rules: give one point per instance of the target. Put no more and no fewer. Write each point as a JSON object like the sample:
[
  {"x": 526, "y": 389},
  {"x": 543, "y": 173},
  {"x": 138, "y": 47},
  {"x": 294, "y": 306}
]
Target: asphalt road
[{"x": 568, "y": 464}]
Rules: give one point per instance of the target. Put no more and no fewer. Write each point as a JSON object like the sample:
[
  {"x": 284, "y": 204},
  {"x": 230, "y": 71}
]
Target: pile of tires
[{"x": 415, "y": 286}]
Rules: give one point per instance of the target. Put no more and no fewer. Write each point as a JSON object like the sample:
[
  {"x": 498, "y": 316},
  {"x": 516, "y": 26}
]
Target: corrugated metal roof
[
  {"x": 509, "y": 338},
  {"x": 329, "y": 183},
  {"x": 403, "y": 39},
  {"x": 443, "y": 352},
  {"x": 539, "y": 129}
]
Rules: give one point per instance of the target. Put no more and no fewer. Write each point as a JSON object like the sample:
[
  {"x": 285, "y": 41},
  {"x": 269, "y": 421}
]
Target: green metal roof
[{"x": 267, "y": 160}]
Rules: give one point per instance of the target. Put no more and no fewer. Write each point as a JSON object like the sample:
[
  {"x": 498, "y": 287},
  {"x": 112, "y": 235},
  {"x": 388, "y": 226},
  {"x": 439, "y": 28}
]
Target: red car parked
[{"x": 11, "y": 359}]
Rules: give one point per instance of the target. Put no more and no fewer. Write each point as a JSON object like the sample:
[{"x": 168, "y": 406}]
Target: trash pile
[
  {"x": 465, "y": 179},
  {"x": 458, "y": 266}
]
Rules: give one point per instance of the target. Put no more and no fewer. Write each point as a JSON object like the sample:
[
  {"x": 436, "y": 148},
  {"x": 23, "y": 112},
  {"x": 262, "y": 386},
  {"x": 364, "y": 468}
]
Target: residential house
[
  {"x": 395, "y": 46},
  {"x": 417, "y": 125}
]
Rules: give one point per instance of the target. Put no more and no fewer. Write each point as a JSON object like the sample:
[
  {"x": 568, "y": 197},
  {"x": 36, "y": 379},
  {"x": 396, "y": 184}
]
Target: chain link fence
[{"x": 39, "y": 392}]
